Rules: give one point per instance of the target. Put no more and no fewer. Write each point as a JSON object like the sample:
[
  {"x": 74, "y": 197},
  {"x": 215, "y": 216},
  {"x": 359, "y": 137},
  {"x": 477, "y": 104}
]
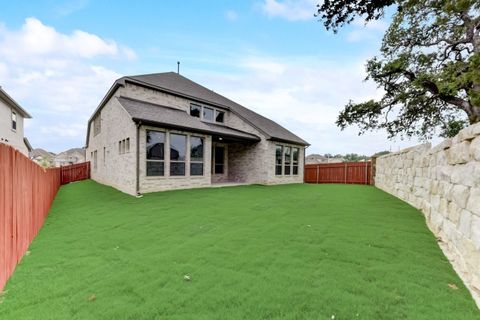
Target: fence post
[
  {"x": 318, "y": 167},
  {"x": 373, "y": 170},
  {"x": 345, "y": 172},
  {"x": 366, "y": 171}
]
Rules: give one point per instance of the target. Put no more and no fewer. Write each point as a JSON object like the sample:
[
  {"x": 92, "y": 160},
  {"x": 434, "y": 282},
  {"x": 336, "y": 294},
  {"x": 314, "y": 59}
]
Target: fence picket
[
  {"x": 345, "y": 173},
  {"x": 26, "y": 194}
]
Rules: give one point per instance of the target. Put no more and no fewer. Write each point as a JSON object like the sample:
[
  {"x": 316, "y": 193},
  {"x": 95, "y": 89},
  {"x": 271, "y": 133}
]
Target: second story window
[
  {"x": 205, "y": 113},
  {"x": 219, "y": 116},
  {"x": 14, "y": 121},
  {"x": 195, "y": 110}
]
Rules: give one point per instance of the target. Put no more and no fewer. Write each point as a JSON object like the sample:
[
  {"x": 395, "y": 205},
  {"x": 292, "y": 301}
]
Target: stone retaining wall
[{"x": 444, "y": 183}]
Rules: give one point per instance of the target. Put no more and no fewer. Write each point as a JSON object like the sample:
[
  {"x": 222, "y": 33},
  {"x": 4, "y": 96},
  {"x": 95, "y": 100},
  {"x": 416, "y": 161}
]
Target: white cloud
[
  {"x": 372, "y": 31},
  {"x": 56, "y": 78},
  {"x": 292, "y": 10},
  {"x": 36, "y": 40},
  {"x": 305, "y": 94},
  {"x": 70, "y": 7},
  {"x": 231, "y": 15}
]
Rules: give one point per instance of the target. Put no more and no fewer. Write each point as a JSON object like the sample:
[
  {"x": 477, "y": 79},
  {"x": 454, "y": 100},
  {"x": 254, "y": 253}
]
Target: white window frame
[
  {"x": 164, "y": 161},
  {"x": 292, "y": 164},
  {"x": 185, "y": 162},
  {"x": 189, "y": 158},
  {"x": 13, "y": 119}
]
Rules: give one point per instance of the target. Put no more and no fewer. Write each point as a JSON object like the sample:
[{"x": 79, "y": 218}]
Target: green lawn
[{"x": 251, "y": 252}]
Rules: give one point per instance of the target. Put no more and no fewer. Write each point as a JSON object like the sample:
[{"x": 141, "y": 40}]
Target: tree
[
  {"x": 429, "y": 65},
  {"x": 381, "y": 153}
]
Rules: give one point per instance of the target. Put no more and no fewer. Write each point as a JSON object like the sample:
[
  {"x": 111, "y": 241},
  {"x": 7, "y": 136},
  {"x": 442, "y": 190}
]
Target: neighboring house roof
[
  {"x": 147, "y": 112},
  {"x": 9, "y": 100},
  {"x": 68, "y": 154},
  {"x": 38, "y": 152},
  {"x": 178, "y": 85}
]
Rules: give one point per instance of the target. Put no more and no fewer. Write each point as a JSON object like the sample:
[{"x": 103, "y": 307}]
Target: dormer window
[
  {"x": 219, "y": 116},
  {"x": 207, "y": 113},
  {"x": 195, "y": 110},
  {"x": 14, "y": 121}
]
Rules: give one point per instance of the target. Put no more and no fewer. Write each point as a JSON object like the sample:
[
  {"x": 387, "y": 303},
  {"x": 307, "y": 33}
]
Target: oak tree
[{"x": 428, "y": 66}]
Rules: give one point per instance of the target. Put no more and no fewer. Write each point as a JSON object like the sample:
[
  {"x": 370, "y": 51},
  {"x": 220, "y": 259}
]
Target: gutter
[{"x": 137, "y": 170}]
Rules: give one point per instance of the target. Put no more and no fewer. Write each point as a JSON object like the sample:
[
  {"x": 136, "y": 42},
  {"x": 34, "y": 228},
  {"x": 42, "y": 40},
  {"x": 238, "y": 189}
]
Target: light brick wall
[
  {"x": 274, "y": 179},
  {"x": 444, "y": 183},
  {"x": 114, "y": 169}
]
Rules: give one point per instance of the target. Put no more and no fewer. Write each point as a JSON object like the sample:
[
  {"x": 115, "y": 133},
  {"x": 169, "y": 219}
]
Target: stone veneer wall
[{"x": 444, "y": 183}]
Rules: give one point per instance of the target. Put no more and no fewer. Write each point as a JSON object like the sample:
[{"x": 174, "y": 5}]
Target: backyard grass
[{"x": 251, "y": 252}]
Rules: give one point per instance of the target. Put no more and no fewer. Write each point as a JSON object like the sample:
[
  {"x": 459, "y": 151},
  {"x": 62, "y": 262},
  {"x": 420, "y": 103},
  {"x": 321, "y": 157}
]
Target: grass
[{"x": 251, "y": 252}]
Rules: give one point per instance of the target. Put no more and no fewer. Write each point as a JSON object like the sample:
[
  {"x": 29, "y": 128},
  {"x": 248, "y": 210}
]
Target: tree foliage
[{"x": 428, "y": 67}]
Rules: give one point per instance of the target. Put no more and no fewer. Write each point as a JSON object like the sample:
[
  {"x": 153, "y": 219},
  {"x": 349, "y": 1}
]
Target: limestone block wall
[{"x": 444, "y": 183}]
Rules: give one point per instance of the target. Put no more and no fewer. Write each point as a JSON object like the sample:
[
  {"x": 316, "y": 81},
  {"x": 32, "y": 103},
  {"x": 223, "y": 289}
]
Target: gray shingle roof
[
  {"x": 4, "y": 96},
  {"x": 178, "y": 84},
  {"x": 174, "y": 118}
]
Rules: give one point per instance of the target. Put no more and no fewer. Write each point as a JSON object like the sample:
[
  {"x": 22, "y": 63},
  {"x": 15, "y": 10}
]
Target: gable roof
[
  {"x": 169, "y": 117},
  {"x": 38, "y": 152},
  {"x": 177, "y": 84},
  {"x": 9, "y": 100}
]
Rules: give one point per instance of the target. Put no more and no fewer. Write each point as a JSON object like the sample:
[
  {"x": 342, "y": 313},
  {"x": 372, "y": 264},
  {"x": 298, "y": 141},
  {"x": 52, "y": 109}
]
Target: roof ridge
[{"x": 149, "y": 102}]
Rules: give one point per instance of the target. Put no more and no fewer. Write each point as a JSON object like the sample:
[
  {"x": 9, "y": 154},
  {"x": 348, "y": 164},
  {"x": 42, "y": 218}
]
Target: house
[
  {"x": 318, "y": 158},
  {"x": 42, "y": 157},
  {"x": 315, "y": 159},
  {"x": 12, "y": 117},
  {"x": 163, "y": 131},
  {"x": 71, "y": 156}
]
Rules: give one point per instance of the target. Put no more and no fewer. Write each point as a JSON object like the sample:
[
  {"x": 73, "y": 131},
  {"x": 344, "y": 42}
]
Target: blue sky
[{"x": 58, "y": 59}]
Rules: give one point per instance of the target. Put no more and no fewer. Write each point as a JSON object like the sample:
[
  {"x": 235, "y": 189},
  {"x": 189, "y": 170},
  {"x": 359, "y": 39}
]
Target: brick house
[{"x": 163, "y": 131}]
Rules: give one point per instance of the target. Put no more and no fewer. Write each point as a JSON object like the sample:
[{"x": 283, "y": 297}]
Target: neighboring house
[
  {"x": 42, "y": 157},
  {"x": 12, "y": 117},
  {"x": 71, "y": 156},
  {"x": 163, "y": 131},
  {"x": 317, "y": 158}
]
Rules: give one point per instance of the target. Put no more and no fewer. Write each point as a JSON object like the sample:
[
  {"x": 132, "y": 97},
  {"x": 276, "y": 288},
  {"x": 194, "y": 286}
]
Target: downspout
[
  {"x": 304, "y": 153},
  {"x": 137, "y": 171}
]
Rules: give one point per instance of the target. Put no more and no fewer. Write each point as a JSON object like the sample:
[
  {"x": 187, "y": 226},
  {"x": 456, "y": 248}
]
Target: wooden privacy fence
[
  {"x": 26, "y": 194},
  {"x": 345, "y": 172},
  {"x": 75, "y": 172}
]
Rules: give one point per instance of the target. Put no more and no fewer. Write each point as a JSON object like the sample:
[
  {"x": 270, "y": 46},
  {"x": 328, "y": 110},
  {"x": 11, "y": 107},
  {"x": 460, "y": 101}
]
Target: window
[
  {"x": 287, "y": 162},
  {"x": 196, "y": 156},
  {"x": 123, "y": 146},
  {"x": 278, "y": 160},
  {"x": 14, "y": 121},
  {"x": 120, "y": 147},
  {"x": 207, "y": 114},
  {"x": 104, "y": 155},
  {"x": 97, "y": 128},
  {"x": 178, "y": 146},
  {"x": 219, "y": 159},
  {"x": 155, "y": 153},
  {"x": 195, "y": 110},
  {"x": 295, "y": 161},
  {"x": 219, "y": 116},
  {"x": 127, "y": 145},
  {"x": 95, "y": 160}
]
